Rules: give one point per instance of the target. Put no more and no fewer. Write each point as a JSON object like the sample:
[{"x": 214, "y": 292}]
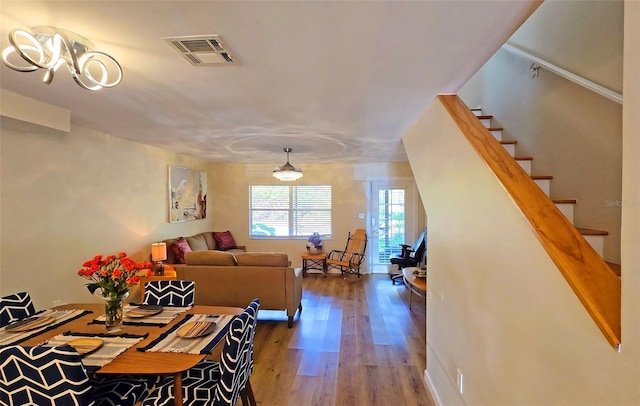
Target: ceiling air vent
[{"x": 201, "y": 50}]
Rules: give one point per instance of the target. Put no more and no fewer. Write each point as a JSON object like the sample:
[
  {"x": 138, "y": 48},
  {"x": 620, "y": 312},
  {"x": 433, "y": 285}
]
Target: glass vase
[{"x": 113, "y": 311}]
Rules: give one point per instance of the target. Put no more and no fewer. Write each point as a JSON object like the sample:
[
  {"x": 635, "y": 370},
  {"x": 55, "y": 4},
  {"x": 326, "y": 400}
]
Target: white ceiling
[{"x": 336, "y": 81}]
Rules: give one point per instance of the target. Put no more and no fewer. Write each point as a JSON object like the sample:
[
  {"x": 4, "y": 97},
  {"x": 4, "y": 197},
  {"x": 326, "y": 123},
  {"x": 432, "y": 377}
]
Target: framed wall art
[{"x": 187, "y": 194}]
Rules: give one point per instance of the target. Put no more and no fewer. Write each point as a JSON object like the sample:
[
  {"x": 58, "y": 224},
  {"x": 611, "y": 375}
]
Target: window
[{"x": 289, "y": 211}]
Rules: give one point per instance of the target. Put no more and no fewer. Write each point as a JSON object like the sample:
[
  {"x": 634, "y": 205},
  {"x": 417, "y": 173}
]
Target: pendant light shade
[{"x": 287, "y": 172}]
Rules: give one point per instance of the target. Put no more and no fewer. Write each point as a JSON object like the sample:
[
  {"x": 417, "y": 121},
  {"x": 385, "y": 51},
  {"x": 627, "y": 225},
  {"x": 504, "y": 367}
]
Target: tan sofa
[
  {"x": 199, "y": 242},
  {"x": 226, "y": 279}
]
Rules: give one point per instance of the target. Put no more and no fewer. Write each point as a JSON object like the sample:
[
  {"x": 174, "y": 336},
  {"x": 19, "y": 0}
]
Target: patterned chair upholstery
[
  {"x": 218, "y": 383},
  {"x": 15, "y": 307},
  {"x": 55, "y": 376},
  {"x": 169, "y": 293}
]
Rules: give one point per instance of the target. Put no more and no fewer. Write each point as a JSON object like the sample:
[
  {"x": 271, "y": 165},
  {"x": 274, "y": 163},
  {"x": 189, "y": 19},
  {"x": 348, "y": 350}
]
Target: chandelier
[
  {"x": 49, "y": 48},
  {"x": 287, "y": 172}
]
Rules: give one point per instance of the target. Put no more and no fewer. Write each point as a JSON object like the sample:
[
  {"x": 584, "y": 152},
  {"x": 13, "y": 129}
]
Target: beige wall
[
  {"x": 498, "y": 308},
  {"x": 572, "y": 133},
  {"x": 68, "y": 197},
  {"x": 350, "y": 183},
  {"x": 631, "y": 187},
  {"x": 584, "y": 37}
]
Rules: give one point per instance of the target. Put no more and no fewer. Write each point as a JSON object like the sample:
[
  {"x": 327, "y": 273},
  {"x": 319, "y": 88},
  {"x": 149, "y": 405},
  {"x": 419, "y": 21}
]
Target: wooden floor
[{"x": 356, "y": 343}]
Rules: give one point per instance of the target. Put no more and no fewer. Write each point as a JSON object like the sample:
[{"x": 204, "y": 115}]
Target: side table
[
  {"x": 314, "y": 261},
  {"x": 415, "y": 284}
]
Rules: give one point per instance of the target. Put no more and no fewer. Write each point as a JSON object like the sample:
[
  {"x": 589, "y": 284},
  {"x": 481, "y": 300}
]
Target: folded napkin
[
  {"x": 171, "y": 342},
  {"x": 8, "y": 337}
]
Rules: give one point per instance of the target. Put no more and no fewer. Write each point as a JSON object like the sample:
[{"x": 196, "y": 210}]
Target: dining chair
[
  {"x": 14, "y": 307},
  {"x": 55, "y": 376},
  {"x": 218, "y": 383},
  {"x": 349, "y": 259},
  {"x": 169, "y": 293}
]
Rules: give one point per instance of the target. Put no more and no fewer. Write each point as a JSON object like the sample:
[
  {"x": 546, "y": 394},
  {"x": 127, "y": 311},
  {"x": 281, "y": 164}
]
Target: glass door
[{"x": 392, "y": 221}]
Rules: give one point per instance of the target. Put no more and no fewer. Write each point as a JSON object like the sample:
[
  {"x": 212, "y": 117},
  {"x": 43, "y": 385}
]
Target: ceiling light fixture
[
  {"x": 287, "y": 172},
  {"x": 49, "y": 48}
]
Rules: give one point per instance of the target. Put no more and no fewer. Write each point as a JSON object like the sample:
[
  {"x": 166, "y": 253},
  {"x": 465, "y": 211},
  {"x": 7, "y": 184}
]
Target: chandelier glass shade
[
  {"x": 49, "y": 48},
  {"x": 287, "y": 172}
]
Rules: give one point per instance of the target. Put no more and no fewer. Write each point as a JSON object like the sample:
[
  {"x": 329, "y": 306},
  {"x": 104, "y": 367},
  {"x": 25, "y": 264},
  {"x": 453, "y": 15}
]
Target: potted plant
[{"x": 314, "y": 244}]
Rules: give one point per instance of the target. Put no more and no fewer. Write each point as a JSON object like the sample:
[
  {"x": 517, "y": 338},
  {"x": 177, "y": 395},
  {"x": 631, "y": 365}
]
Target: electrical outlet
[{"x": 459, "y": 380}]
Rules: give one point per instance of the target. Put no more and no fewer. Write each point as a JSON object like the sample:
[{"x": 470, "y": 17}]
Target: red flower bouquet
[{"x": 114, "y": 274}]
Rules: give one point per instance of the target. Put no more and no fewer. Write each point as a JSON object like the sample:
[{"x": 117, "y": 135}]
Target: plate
[
  {"x": 86, "y": 345},
  {"x": 420, "y": 274},
  {"x": 195, "y": 329},
  {"x": 144, "y": 311},
  {"x": 30, "y": 323}
]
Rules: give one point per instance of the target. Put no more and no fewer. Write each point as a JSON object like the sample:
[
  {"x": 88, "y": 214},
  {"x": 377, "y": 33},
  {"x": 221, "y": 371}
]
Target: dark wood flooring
[{"x": 355, "y": 343}]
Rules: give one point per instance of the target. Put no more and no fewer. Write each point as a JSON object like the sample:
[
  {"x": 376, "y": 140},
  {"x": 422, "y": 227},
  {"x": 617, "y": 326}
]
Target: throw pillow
[
  {"x": 224, "y": 240},
  {"x": 180, "y": 247}
]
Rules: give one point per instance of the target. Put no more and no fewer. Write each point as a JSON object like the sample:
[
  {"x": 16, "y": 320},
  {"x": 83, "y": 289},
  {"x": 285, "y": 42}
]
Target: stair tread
[
  {"x": 589, "y": 231},
  {"x": 569, "y": 201},
  {"x": 541, "y": 177},
  {"x": 615, "y": 268},
  {"x": 524, "y": 158},
  {"x": 508, "y": 142},
  {"x": 484, "y": 117},
  {"x": 495, "y": 128}
]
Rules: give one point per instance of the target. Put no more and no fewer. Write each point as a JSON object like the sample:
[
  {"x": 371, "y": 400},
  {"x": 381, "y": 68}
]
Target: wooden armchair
[{"x": 352, "y": 257}]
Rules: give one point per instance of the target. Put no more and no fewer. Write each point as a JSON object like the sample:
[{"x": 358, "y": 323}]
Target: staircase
[{"x": 595, "y": 238}]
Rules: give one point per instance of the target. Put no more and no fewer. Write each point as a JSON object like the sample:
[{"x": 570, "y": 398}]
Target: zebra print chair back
[
  {"x": 236, "y": 361},
  {"x": 43, "y": 376},
  {"x": 15, "y": 307},
  {"x": 170, "y": 293},
  {"x": 218, "y": 383}
]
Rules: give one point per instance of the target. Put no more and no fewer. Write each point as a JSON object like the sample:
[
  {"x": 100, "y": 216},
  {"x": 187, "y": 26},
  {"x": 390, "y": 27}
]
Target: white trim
[
  {"x": 586, "y": 83},
  {"x": 432, "y": 388}
]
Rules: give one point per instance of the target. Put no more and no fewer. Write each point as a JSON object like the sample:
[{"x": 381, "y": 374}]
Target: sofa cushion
[
  {"x": 262, "y": 259},
  {"x": 197, "y": 242},
  {"x": 211, "y": 242},
  {"x": 224, "y": 240},
  {"x": 211, "y": 257},
  {"x": 180, "y": 247}
]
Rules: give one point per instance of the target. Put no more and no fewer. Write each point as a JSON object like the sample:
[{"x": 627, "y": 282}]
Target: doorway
[{"x": 393, "y": 221}]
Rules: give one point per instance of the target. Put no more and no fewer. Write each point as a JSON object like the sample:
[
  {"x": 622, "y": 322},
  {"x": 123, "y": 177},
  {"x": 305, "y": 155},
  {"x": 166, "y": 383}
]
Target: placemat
[
  {"x": 163, "y": 318},
  {"x": 113, "y": 346},
  {"x": 61, "y": 316},
  {"x": 170, "y": 342}
]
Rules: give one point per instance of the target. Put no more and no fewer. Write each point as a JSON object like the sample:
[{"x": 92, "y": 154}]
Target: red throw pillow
[
  {"x": 180, "y": 247},
  {"x": 224, "y": 240}
]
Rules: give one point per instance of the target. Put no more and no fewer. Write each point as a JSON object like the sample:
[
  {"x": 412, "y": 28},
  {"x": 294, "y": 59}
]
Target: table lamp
[{"x": 158, "y": 254}]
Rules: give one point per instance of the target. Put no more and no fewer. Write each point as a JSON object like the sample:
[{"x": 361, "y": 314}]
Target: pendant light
[{"x": 287, "y": 172}]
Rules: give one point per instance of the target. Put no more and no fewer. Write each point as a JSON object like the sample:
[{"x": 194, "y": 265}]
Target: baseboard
[{"x": 432, "y": 389}]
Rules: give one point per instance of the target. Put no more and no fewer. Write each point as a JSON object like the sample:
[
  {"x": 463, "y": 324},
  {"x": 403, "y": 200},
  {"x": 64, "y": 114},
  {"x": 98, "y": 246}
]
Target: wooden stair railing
[{"x": 591, "y": 279}]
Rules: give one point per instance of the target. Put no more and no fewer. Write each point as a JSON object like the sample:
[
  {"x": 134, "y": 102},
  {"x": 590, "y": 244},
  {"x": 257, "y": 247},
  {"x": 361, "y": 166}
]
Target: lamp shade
[{"x": 158, "y": 251}]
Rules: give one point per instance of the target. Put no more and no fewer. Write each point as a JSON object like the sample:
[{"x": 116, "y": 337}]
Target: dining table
[{"x": 138, "y": 359}]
